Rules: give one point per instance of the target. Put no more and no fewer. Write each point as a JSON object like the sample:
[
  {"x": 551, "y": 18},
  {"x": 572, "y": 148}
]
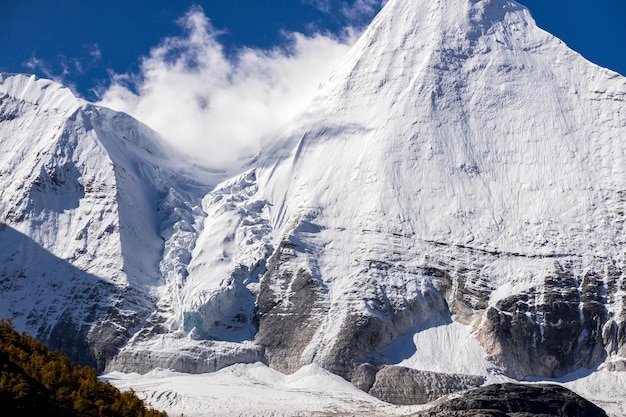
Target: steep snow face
[
  {"x": 86, "y": 198},
  {"x": 461, "y": 163},
  {"x": 468, "y": 125}
]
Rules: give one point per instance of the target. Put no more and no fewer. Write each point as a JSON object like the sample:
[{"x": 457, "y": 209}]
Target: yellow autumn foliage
[{"x": 33, "y": 379}]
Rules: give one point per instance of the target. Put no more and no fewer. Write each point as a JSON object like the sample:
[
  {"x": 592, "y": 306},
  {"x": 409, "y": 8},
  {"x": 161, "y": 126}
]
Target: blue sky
[
  {"x": 217, "y": 77},
  {"x": 80, "y": 41}
]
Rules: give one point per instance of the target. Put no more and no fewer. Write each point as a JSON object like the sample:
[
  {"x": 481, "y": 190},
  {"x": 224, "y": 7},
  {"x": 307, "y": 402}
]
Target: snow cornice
[{"x": 46, "y": 94}]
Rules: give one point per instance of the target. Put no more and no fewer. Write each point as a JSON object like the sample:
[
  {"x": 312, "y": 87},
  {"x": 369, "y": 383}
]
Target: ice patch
[{"x": 448, "y": 348}]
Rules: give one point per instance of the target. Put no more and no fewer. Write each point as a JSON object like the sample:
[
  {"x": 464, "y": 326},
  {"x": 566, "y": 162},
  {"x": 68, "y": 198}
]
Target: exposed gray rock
[
  {"x": 364, "y": 376},
  {"x": 614, "y": 330},
  {"x": 97, "y": 339},
  {"x": 463, "y": 288},
  {"x": 404, "y": 386},
  {"x": 359, "y": 338},
  {"x": 183, "y": 356},
  {"x": 71, "y": 310},
  {"x": 516, "y": 400},
  {"x": 552, "y": 330},
  {"x": 614, "y": 335},
  {"x": 287, "y": 308},
  {"x": 392, "y": 313}
]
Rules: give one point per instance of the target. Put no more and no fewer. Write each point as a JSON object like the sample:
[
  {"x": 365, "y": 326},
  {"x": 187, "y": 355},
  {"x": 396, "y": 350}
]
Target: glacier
[{"x": 448, "y": 212}]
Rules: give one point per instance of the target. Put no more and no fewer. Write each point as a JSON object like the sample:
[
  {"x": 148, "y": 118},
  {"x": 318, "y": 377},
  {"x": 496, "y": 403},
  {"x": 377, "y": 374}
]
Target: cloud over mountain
[{"x": 220, "y": 107}]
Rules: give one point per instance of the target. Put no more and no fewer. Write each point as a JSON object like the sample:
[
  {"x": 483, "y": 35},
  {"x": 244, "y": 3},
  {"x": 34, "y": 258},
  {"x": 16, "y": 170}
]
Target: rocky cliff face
[
  {"x": 405, "y": 386},
  {"x": 551, "y": 337}
]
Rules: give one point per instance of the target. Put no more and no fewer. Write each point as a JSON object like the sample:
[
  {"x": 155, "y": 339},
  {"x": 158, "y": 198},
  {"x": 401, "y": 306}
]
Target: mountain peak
[
  {"x": 422, "y": 22},
  {"x": 46, "y": 94},
  {"x": 455, "y": 134},
  {"x": 438, "y": 95}
]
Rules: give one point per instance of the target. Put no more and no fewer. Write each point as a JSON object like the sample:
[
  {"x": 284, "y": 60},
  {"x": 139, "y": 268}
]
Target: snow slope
[
  {"x": 87, "y": 198},
  {"x": 256, "y": 390},
  {"x": 253, "y": 390}
]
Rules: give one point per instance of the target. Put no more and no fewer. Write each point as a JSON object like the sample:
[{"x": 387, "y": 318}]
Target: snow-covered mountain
[
  {"x": 449, "y": 210},
  {"x": 461, "y": 166},
  {"x": 89, "y": 200}
]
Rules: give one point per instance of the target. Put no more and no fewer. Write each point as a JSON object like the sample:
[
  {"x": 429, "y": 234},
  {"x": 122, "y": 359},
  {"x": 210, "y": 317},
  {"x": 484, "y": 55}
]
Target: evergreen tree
[{"x": 34, "y": 380}]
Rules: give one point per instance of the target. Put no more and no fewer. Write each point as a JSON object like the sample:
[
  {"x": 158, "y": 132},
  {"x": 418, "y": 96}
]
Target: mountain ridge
[{"x": 97, "y": 217}]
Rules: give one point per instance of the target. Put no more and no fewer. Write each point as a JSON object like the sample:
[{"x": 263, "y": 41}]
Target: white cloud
[
  {"x": 94, "y": 52},
  {"x": 322, "y": 5},
  {"x": 62, "y": 69},
  {"x": 217, "y": 108},
  {"x": 39, "y": 65},
  {"x": 42, "y": 67},
  {"x": 361, "y": 8},
  {"x": 354, "y": 12}
]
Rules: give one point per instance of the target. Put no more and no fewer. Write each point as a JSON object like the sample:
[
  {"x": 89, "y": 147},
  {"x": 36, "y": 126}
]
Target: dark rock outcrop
[
  {"x": 548, "y": 331},
  {"x": 516, "y": 400}
]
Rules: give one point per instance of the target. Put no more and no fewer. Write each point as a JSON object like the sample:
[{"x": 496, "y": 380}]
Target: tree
[{"x": 33, "y": 379}]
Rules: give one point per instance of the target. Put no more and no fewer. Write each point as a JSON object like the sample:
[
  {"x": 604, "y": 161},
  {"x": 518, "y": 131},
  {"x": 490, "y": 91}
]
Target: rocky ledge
[{"x": 516, "y": 400}]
